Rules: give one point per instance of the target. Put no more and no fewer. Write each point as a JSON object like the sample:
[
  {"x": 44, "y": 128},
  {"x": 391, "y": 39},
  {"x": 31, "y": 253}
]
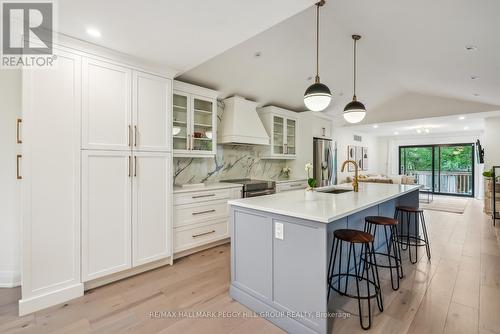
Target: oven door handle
[{"x": 259, "y": 193}]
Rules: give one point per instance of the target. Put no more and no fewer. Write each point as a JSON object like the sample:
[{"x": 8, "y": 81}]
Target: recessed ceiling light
[
  {"x": 474, "y": 77},
  {"x": 375, "y": 126},
  {"x": 309, "y": 78},
  {"x": 257, "y": 54},
  {"x": 476, "y": 94},
  {"x": 396, "y": 133},
  {"x": 461, "y": 118},
  {"x": 427, "y": 130},
  {"x": 419, "y": 131},
  {"x": 470, "y": 47},
  {"x": 93, "y": 32},
  {"x": 466, "y": 128}
]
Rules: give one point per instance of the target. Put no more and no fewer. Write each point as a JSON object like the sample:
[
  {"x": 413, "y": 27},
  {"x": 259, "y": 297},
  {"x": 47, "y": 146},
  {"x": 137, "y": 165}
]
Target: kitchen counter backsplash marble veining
[{"x": 231, "y": 162}]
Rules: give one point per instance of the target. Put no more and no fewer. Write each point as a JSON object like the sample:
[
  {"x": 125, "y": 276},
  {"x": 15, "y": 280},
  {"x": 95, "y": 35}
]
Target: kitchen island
[{"x": 280, "y": 248}]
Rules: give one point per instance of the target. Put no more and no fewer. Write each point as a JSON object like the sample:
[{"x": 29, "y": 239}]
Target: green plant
[
  {"x": 488, "y": 173},
  {"x": 310, "y": 181}
]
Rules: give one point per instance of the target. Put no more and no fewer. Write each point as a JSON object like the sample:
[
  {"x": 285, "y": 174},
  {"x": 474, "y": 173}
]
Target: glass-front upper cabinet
[
  {"x": 282, "y": 127},
  {"x": 291, "y": 126},
  {"x": 194, "y": 126},
  {"x": 278, "y": 138},
  {"x": 180, "y": 121},
  {"x": 203, "y": 124}
]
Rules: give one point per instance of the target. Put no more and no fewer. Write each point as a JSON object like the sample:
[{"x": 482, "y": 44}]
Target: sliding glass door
[{"x": 441, "y": 169}]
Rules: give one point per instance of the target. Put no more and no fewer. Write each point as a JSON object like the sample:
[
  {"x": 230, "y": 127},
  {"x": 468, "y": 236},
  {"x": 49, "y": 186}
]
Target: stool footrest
[{"x": 341, "y": 292}]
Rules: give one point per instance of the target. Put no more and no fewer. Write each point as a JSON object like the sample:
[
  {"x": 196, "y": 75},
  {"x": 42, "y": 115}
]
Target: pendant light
[
  {"x": 317, "y": 97},
  {"x": 354, "y": 111}
]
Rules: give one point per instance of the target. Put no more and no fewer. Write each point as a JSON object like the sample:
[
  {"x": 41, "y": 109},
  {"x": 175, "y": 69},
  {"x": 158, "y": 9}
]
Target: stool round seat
[
  {"x": 353, "y": 236},
  {"x": 379, "y": 220},
  {"x": 408, "y": 208}
]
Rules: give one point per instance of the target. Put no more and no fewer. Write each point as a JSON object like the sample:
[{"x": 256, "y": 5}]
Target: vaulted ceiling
[{"x": 410, "y": 50}]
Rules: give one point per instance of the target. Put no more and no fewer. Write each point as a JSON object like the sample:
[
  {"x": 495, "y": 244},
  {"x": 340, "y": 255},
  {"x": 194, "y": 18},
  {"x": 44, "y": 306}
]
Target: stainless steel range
[{"x": 253, "y": 188}]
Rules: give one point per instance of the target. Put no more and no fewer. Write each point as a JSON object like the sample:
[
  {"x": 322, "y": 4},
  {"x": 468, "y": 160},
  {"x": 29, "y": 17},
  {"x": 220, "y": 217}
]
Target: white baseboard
[
  {"x": 33, "y": 304},
  {"x": 10, "y": 279}
]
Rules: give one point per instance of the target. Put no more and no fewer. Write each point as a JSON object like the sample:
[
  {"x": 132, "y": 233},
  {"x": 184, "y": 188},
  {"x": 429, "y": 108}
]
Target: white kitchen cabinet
[
  {"x": 151, "y": 101},
  {"x": 50, "y": 171},
  {"x": 282, "y": 127},
  {"x": 201, "y": 217},
  {"x": 194, "y": 121},
  {"x": 151, "y": 203},
  {"x": 106, "y": 102},
  {"x": 106, "y": 213},
  {"x": 291, "y": 185}
]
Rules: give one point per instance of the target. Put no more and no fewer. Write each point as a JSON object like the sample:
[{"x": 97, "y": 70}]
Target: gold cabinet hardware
[
  {"x": 135, "y": 135},
  {"x": 135, "y": 166},
  {"x": 203, "y": 212},
  {"x": 201, "y": 196},
  {"x": 202, "y": 234},
  {"x": 18, "y": 167},
  {"x": 18, "y": 131},
  {"x": 129, "y": 166},
  {"x": 129, "y": 135}
]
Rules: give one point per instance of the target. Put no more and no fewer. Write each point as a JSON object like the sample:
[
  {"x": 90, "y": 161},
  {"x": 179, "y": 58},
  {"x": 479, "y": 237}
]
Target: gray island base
[{"x": 280, "y": 248}]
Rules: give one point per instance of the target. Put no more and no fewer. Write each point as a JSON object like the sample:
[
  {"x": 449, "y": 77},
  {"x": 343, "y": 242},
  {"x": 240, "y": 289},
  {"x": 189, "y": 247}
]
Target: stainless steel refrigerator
[{"x": 325, "y": 161}]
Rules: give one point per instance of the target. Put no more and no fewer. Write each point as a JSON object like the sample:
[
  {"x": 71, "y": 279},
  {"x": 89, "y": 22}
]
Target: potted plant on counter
[
  {"x": 311, "y": 182},
  {"x": 286, "y": 171}
]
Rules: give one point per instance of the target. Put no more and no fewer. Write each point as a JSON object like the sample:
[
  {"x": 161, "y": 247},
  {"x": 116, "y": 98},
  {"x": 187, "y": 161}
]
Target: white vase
[{"x": 310, "y": 194}]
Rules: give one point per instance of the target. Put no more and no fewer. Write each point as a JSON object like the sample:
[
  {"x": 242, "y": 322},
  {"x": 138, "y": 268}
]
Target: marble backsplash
[{"x": 231, "y": 162}]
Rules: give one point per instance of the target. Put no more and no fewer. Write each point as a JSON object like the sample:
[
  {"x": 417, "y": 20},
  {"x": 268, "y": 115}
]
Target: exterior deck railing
[{"x": 446, "y": 182}]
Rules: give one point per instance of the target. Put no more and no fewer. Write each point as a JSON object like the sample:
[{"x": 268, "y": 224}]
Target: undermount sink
[{"x": 336, "y": 191}]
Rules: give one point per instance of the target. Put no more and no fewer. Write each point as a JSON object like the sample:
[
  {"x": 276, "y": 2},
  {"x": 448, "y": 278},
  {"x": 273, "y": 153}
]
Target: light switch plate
[{"x": 278, "y": 231}]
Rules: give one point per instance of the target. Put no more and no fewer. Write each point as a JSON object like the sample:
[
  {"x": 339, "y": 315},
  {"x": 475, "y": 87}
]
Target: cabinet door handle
[
  {"x": 202, "y": 234},
  {"x": 135, "y": 135},
  {"x": 129, "y": 135},
  {"x": 201, "y": 196},
  {"x": 18, "y": 131},
  {"x": 135, "y": 166},
  {"x": 129, "y": 166},
  {"x": 18, "y": 167},
  {"x": 203, "y": 212}
]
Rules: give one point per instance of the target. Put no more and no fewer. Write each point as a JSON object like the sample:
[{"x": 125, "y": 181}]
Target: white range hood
[{"x": 240, "y": 123}]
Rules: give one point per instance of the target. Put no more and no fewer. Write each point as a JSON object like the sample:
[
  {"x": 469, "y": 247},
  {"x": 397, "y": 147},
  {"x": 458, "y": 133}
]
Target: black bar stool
[
  {"x": 393, "y": 250},
  {"x": 353, "y": 237},
  {"x": 406, "y": 215}
]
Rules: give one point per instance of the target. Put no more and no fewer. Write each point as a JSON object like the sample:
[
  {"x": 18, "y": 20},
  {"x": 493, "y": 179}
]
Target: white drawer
[
  {"x": 189, "y": 238},
  {"x": 198, "y": 213},
  {"x": 201, "y": 196},
  {"x": 291, "y": 186}
]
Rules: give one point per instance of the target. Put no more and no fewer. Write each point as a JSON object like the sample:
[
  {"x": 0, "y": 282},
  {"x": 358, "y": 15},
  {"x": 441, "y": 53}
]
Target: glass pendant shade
[
  {"x": 354, "y": 112},
  {"x": 317, "y": 97}
]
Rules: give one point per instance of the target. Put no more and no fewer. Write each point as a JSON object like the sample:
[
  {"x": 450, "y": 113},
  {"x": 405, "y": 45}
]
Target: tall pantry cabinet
[
  {"x": 126, "y": 180},
  {"x": 96, "y": 172}
]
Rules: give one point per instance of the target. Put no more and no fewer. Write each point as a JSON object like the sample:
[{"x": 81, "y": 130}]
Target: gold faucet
[{"x": 355, "y": 184}]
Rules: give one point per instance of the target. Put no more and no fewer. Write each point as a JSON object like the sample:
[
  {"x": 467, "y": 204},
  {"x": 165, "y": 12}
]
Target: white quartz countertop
[
  {"x": 325, "y": 207},
  {"x": 205, "y": 186}
]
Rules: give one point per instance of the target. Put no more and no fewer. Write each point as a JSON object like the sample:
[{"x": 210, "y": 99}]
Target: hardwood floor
[{"x": 458, "y": 291}]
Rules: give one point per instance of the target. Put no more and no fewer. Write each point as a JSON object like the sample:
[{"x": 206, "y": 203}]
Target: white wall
[
  {"x": 388, "y": 151},
  {"x": 344, "y": 138},
  {"x": 10, "y": 237},
  {"x": 491, "y": 142}
]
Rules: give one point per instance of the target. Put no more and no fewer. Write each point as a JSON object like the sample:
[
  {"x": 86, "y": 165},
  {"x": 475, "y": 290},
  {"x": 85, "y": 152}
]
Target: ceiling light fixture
[
  {"x": 474, "y": 77},
  {"x": 257, "y": 54},
  {"x": 396, "y": 133},
  {"x": 476, "y": 94},
  {"x": 317, "y": 96},
  {"x": 470, "y": 47},
  {"x": 354, "y": 111},
  {"x": 466, "y": 128},
  {"x": 93, "y": 32},
  {"x": 427, "y": 130},
  {"x": 419, "y": 131},
  {"x": 375, "y": 126},
  {"x": 461, "y": 118}
]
